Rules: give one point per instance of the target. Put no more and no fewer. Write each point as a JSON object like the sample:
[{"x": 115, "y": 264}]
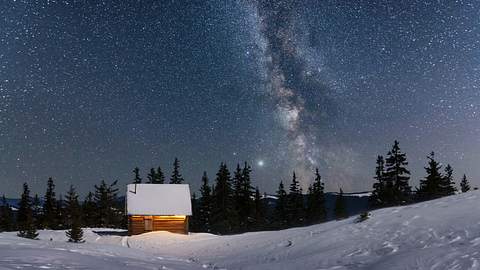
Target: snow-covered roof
[{"x": 158, "y": 199}]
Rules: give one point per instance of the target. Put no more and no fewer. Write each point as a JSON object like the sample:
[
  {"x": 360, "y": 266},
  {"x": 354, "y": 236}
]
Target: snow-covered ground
[
  {"x": 53, "y": 252},
  {"x": 440, "y": 234}
]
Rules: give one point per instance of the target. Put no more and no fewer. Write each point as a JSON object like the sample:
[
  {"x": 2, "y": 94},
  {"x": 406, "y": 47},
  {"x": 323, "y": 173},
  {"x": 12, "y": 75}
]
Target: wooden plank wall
[{"x": 136, "y": 224}]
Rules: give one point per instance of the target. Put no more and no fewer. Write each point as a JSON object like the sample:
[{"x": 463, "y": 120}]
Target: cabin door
[{"x": 148, "y": 223}]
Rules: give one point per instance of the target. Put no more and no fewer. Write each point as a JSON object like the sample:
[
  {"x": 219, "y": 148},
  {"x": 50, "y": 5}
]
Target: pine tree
[
  {"x": 37, "y": 211},
  {"x": 136, "y": 176},
  {"x": 160, "y": 179},
  {"x": 223, "y": 208},
  {"x": 156, "y": 177},
  {"x": 382, "y": 194},
  {"x": 295, "y": 206},
  {"x": 280, "y": 218},
  {"x": 6, "y": 216},
  {"x": 176, "y": 177},
  {"x": 430, "y": 186},
  {"x": 50, "y": 207},
  {"x": 205, "y": 205},
  {"x": 73, "y": 217},
  {"x": 89, "y": 210},
  {"x": 243, "y": 192},
  {"x": 193, "y": 223},
  {"x": 105, "y": 199},
  {"x": 397, "y": 175},
  {"x": 340, "y": 210},
  {"x": 26, "y": 224},
  {"x": 464, "y": 184},
  {"x": 447, "y": 185},
  {"x": 152, "y": 176},
  {"x": 260, "y": 220},
  {"x": 238, "y": 219},
  {"x": 246, "y": 193},
  {"x": 316, "y": 211}
]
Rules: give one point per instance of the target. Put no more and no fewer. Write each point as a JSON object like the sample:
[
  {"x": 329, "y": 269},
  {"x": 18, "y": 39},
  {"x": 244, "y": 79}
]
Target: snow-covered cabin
[{"x": 158, "y": 207}]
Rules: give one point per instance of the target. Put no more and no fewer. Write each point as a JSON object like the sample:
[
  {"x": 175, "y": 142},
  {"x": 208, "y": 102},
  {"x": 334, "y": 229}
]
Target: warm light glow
[{"x": 170, "y": 217}]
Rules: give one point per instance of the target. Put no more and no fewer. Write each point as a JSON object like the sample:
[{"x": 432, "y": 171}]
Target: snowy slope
[{"x": 440, "y": 234}]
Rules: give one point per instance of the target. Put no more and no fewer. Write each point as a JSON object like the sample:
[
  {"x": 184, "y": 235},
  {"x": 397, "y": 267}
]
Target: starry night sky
[{"x": 90, "y": 90}]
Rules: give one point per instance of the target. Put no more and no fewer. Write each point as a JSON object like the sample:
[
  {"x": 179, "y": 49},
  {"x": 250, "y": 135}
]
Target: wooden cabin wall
[{"x": 136, "y": 224}]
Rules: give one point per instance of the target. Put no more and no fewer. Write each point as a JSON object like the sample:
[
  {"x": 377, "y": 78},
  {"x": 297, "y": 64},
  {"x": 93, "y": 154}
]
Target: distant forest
[{"x": 230, "y": 204}]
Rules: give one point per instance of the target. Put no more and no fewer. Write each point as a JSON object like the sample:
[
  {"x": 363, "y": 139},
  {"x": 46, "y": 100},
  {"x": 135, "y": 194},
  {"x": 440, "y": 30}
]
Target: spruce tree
[
  {"x": 280, "y": 218},
  {"x": 243, "y": 193},
  {"x": 193, "y": 223},
  {"x": 89, "y": 210},
  {"x": 176, "y": 177},
  {"x": 205, "y": 205},
  {"x": 246, "y": 193},
  {"x": 152, "y": 176},
  {"x": 447, "y": 185},
  {"x": 382, "y": 194},
  {"x": 160, "y": 177},
  {"x": 340, "y": 209},
  {"x": 37, "y": 211},
  {"x": 136, "y": 176},
  {"x": 316, "y": 211},
  {"x": 397, "y": 175},
  {"x": 295, "y": 206},
  {"x": 6, "y": 216},
  {"x": 25, "y": 221},
  {"x": 50, "y": 206},
  {"x": 73, "y": 217},
  {"x": 223, "y": 208},
  {"x": 464, "y": 184},
  {"x": 239, "y": 221},
  {"x": 430, "y": 186},
  {"x": 260, "y": 213},
  {"x": 107, "y": 210}
]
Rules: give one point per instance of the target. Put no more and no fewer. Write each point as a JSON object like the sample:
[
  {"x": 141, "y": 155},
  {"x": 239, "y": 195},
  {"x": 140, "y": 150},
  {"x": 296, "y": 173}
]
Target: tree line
[
  {"x": 231, "y": 203},
  {"x": 100, "y": 208},
  {"x": 392, "y": 180}
]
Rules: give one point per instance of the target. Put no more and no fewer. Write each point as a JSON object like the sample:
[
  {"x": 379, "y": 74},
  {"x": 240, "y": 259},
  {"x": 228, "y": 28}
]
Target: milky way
[
  {"x": 285, "y": 81},
  {"x": 89, "y": 90}
]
